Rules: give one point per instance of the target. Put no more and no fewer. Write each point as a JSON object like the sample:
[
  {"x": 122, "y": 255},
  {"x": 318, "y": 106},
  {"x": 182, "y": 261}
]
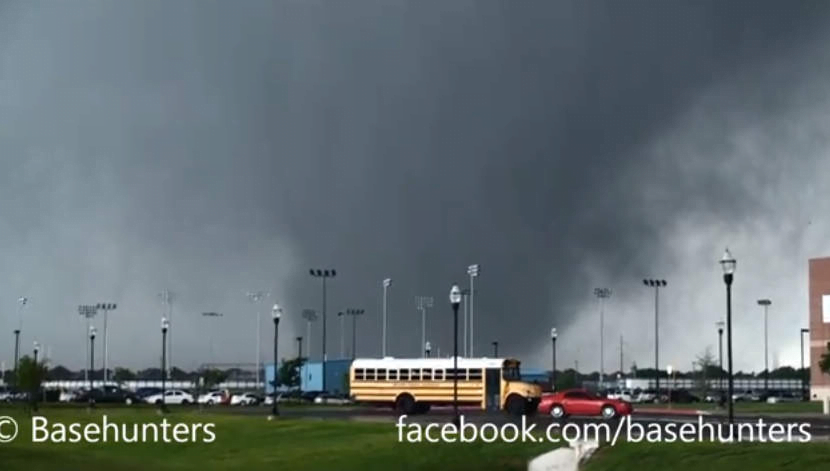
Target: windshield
[{"x": 511, "y": 372}]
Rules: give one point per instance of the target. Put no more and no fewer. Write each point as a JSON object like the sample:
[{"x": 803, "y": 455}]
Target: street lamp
[
  {"x": 495, "y": 349},
  {"x": 165, "y": 326},
  {"x": 656, "y": 284},
  {"x": 166, "y": 297},
  {"x": 423, "y": 303},
  {"x": 765, "y": 303},
  {"x": 427, "y": 349},
  {"x": 92, "y": 332},
  {"x": 669, "y": 371},
  {"x": 803, "y": 373},
  {"x": 299, "y": 347},
  {"x": 36, "y": 347},
  {"x": 553, "y": 335},
  {"x": 472, "y": 270},
  {"x": 323, "y": 275},
  {"x": 387, "y": 282},
  {"x": 255, "y": 297},
  {"x": 354, "y": 313},
  {"x": 465, "y": 312},
  {"x": 106, "y": 307},
  {"x": 310, "y": 315},
  {"x": 21, "y": 303},
  {"x": 342, "y": 316},
  {"x": 602, "y": 294},
  {"x": 720, "y": 325},
  {"x": 276, "y": 313},
  {"x": 455, "y": 300},
  {"x": 211, "y": 315},
  {"x": 728, "y": 263},
  {"x": 88, "y": 311}
]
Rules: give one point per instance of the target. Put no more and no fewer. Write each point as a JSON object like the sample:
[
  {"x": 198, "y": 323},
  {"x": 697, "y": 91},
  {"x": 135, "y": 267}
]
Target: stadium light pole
[
  {"x": 211, "y": 315},
  {"x": 803, "y": 373},
  {"x": 323, "y": 275},
  {"x": 106, "y": 307},
  {"x": 728, "y": 263},
  {"x": 276, "y": 313},
  {"x": 465, "y": 312},
  {"x": 553, "y": 335},
  {"x": 310, "y": 315},
  {"x": 21, "y": 303},
  {"x": 342, "y": 316},
  {"x": 602, "y": 294},
  {"x": 255, "y": 297},
  {"x": 720, "y": 325},
  {"x": 495, "y": 348},
  {"x": 165, "y": 326},
  {"x": 88, "y": 311},
  {"x": 765, "y": 303},
  {"x": 166, "y": 297},
  {"x": 656, "y": 284},
  {"x": 354, "y": 313},
  {"x": 423, "y": 303},
  {"x": 472, "y": 270},
  {"x": 299, "y": 339},
  {"x": 455, "y": 300},
  {"x": 387, "y": 282},
  {"x": 92, "y": 332}
]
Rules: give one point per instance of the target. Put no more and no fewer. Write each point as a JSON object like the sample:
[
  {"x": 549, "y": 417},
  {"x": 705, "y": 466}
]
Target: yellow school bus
[{"x": 412, "y": 385}]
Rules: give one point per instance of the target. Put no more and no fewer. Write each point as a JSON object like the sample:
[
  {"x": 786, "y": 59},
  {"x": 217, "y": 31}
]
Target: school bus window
[
  {"x": 381, "y": 374},
  {"x": 474, "y": 374},
  {"x": 393, "y": 375},
  {"x": 415, "y": 375},
  {"x": 359, "y": 373},
  {"x": 438, "y": 374},
  {"x": 404, "y": 374},
  {"x": 370, "y": 374}
]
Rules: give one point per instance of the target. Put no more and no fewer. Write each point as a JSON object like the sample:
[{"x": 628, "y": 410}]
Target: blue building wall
[
  {"x": 311, "y": 377},
  {"x": 535, "y": 375}
]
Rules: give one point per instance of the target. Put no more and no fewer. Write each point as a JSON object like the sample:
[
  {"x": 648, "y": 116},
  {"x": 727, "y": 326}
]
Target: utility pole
[
  {"x": 602, "y": 294},
  {"x": 166, "y": 297},
  {"x": 255, "y": 297},
  {"x": 106, "y": 307},
  {"x": 423, "y": 303}
]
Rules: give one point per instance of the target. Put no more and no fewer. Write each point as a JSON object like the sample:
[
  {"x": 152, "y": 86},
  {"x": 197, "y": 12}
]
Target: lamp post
[
  {"x": 670, "y": 379},
  {"x": 92, "y": 332},
  {"x": 728, "y": 263},
  {"x": 495, "y": 349},
  {"x": 323, "y": 275},
  {"x": 427, "y": 349},
  {"x": 310, "y": 315},
  {"x": 553, "y": 335},
  {"x": 255, "y": 297},
  {"x": 299, "y": 347},
  {"x": 36, "y": 348},
  {"x": 342, "y": 316},
  {"x": 88, "y": 311},
  {"x": 465, "y": 312},
  {"x": 211, "y": 315},
  {"x": 720, "y": 325},
  {"x": 21, "y": 303},
  {"x": 166, "y": 297},
  {"x": 765, "y": 303},
  {"x": 472, "y": 270},
  {"x": 165, "y": 326},
  {"x": 455, "y": 300},
  {"x": 106, "y": 307},
  {"x": 276, "y": 313},
  {"x": 656, "y": 284},
  {"x": 803, "y": 373},
  {"x": 423, "y": 303},
  {"x": 602, "y": 294},
  {"x": 354, "y": 313},
  {"x": 387, "y": 282}
]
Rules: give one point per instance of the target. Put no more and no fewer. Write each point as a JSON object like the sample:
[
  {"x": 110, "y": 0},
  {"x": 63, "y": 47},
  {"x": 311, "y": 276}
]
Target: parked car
[
  {"x": 645, "y": 396},
  {"x": 108, "y": 395},
  {"x": 217, "y": 396},
  {"x": 679, "y": 396},
  {"x": 245, "y": 399},
  {"x": 143, "y": 393},
  {"x": 779, "y": 397},
  {"x": 173, "y": 396},
  {"x": 309, "y": 396},
  {"x": 5, "y": 394},
  {"x": 69, "y": 395},
  {"x": 622, "y": 394},
  {"x": 332, "y": 399},
  {"x": 746, "y": 396},
  {"x": 583, "y": 403}
]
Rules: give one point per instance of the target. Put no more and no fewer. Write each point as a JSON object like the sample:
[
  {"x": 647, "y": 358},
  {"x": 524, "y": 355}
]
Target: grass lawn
[
  {"x": 252, "y": 442},
  {"x": 745, "y": 407},
  {"x": 712, "y": 457}
]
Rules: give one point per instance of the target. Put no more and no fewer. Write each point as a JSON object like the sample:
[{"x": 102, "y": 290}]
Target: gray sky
[{"x": 217, "y": 147}]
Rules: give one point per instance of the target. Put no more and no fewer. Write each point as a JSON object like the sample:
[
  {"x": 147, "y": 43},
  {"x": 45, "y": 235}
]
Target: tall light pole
[
  {"x": 465, "y": 314},
  {"x": 354, "y": 313},
  {"x": 299, "y": 339},
  {"x": 342, "y": 316},
  {"x": 423, "y": 303},
  {"x": 92, "y": 332},
  {"x": 427, "y": 349},
  {"x": 472, "y": 270},
  {"x": 36, "y": 349},
  {"x": 720, "y": 325},
  {"x": 553, "y": 335},
  {"x": 310, "y": 315},
  {"x": 106, "y": 307},
  {"x": 255, "y": 297},
  {"x": 656, "y": 284},
  {"x": 670, "y": 379},
  {"x": 803, "y": 373},
  {"x": 211, "y": 315},
  {"x": 455, "y": 300},
  {"x": 495, "y": 348},
  {"x": 602, "y": 294},
  {"x": 387, "y": 282},
  {"x": 88, "y": 311},
  {"x": 323, "y": 275},
  {"x": 21, "y": 303},
  {"x": 766, "y": 303},
  {"x": 728, "y": 263},
  {"x": 166, "y": 297},
  {"x": 165, "y": 326},
  {"x": 276, "y": 313}
]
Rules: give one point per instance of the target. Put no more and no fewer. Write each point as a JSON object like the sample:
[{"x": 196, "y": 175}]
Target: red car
[{"x": 582, "y": 402}]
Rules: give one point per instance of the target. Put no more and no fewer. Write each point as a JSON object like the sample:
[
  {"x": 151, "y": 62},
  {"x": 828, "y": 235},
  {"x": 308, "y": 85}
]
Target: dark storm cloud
[{"x": 215, "y": 147}]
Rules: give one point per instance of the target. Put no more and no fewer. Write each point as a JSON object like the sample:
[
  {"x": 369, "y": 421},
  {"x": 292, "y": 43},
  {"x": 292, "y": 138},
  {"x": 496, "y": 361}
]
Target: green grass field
[
  {"x": 745, "y": 407},
  {"x": 252, "y": 442}
]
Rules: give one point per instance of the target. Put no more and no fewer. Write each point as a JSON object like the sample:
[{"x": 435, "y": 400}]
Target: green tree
[
  {"x": 214, "y": 377},
  {"x": 824, "y": 363},
  {"x": 123, "y": 374},
  {"x": 30, "y": 377},
  {"x": 289, "y": 374}
]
